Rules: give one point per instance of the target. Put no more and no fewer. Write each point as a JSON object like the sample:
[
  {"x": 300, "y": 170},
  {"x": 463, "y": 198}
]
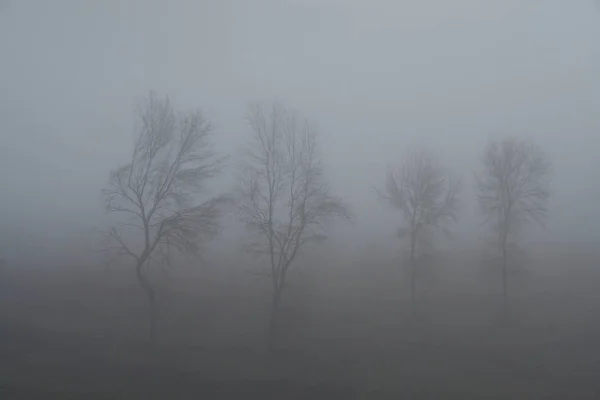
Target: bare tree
[
  {"x": 156, "y": 192},
  {"x": 284, "y": 197},
  {"x": 427, "y": 198},
  {"x": 512, "y": 190}
]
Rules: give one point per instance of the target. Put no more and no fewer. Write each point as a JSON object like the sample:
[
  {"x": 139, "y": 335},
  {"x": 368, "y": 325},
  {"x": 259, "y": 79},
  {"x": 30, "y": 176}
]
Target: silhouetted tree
[
  {"x": 157, "y": 191},
  {"x": 512, "y": 190},
  {"x": 284, "y": 196},
  {"x": 427, "y": 198}
]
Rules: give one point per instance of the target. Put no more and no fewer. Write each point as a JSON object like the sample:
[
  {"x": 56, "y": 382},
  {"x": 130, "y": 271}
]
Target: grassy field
[{"x": 345, "y": 330}]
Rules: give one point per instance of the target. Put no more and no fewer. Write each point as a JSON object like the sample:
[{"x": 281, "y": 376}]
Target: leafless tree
[
  {"x": 512, "y": 190},
  {"x": 157, "y": 191},
  {"x": 283, "y": 194},
  {"x": 427, "y": 198}
]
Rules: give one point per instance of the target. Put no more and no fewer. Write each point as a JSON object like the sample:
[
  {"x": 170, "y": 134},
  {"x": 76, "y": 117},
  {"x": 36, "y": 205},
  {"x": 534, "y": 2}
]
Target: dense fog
[{"x": 390, "y": 94}]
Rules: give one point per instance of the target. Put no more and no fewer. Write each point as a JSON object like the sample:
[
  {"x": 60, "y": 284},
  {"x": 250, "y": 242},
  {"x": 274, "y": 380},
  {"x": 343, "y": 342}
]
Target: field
[{"x": 345, "y": 330}]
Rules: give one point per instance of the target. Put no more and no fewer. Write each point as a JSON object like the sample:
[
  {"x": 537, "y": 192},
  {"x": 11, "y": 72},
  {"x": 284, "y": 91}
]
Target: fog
[{"x": 376, "y": 77}]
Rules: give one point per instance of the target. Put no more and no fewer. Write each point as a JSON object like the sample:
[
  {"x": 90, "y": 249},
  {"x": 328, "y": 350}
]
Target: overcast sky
[{"x": 376, "y": 76}]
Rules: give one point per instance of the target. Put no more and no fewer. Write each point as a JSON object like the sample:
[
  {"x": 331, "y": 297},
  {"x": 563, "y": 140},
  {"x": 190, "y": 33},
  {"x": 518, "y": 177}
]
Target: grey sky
[{"x": 376, "y": 76}]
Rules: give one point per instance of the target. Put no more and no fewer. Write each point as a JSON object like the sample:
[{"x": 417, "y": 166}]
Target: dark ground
[{"x": 73, "y": 335}]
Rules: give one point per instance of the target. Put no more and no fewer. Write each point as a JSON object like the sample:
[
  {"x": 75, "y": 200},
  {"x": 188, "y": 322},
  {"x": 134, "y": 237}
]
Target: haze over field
[
  {"x": 392, "y": 120},
  {"x": 375, "y": 77}
]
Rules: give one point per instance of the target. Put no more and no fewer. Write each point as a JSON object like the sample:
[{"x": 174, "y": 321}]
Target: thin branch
[
  {"x": 426, "y": 196},
  {"x": 171, "y": 162},
  {"x": 283, "y": 194},
  {"x": 513, "y": 185}
]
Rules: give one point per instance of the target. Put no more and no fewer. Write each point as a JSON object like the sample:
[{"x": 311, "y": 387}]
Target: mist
[{"x": 375, "y": 80}]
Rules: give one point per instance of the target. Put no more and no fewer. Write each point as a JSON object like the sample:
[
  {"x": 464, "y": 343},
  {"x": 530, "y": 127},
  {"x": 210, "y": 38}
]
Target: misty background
[{"x": 376, "y": 77}]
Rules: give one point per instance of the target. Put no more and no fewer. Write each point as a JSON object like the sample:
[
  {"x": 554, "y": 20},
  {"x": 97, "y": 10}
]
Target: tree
[
  {"x": 156, "y": 192},
  {"x": 284, "y": 197},
  {"x": 512, "y": 190},
  {"x": 427, "y": 198}
]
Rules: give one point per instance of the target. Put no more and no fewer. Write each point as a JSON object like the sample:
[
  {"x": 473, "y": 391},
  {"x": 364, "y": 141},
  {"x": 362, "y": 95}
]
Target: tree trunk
[
  {"x": 273, "y": 319},
  {"x": 272, "y": 327},
  {"x": 504, "y": 276},
  {"x": 150, "y": 295},
  {"x": 413, "y": 243}
]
